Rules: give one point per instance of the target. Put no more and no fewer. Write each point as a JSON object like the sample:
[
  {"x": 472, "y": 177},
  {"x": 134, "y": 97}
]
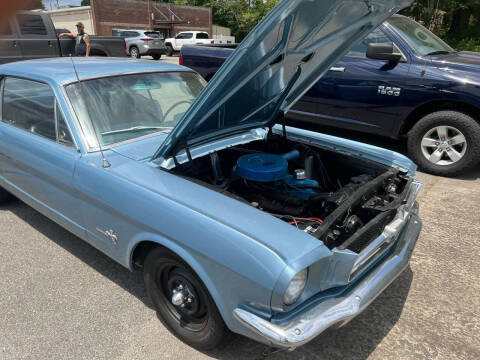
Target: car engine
[{"x": 326, "y": 194}]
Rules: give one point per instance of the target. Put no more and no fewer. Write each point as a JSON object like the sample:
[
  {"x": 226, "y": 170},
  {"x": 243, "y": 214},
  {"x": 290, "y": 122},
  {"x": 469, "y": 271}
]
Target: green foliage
[
  {"x": 240, "y": 16},
  {"x": 460, "y": 28},
  {"x": 85, "y": 3},
  {"x": 461, "y": 23}
]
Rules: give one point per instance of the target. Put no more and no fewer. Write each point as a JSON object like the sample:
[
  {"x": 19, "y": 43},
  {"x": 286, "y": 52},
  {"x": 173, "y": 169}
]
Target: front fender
[
  {"x": 226, "y": 287},
  {"x": 185, "y": 255}
]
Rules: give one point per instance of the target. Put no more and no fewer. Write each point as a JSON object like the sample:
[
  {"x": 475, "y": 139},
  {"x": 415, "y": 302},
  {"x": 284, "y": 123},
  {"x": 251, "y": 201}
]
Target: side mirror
[{"x": 383, "y": 52}]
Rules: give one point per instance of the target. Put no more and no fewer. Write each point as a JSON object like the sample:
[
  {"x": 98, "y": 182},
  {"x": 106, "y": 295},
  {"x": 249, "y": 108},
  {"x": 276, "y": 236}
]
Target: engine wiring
[{"x": 298, "y": 220}]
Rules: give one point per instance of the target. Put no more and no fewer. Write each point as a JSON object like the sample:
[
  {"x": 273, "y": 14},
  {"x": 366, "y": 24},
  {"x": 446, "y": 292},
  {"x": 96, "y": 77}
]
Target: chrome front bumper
[{"x": 338, "y": 310}]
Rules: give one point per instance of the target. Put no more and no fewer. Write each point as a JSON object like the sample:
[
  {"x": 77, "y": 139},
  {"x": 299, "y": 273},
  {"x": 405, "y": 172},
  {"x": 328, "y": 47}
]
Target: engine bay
[{"x": 344, "y": 200}]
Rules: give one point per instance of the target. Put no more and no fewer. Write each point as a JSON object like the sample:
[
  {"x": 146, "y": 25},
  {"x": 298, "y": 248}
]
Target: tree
[
  {"x": 240, "y": 16},
  {"x": 461, "y": 27},
  {"x": 85, "y": 3}
]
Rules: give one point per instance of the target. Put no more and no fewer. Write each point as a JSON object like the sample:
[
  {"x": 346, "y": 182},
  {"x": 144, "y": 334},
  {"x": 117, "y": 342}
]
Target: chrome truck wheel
[{"x": 445, "y": 143}]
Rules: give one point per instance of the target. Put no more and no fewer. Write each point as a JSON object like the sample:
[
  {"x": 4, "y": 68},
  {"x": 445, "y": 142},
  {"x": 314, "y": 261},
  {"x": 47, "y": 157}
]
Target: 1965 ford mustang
[{"x": 238, "y": 221}]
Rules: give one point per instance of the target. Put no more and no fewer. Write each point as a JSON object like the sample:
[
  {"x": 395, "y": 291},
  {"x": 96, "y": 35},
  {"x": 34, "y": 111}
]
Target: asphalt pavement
[{"x": 62, "y": 299}]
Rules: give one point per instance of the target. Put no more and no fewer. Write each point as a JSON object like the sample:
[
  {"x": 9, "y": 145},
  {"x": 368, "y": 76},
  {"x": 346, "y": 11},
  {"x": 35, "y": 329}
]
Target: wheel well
[
  {"x": 168, "y": 44},
  {"x": 140, "y": 253},
  {"x": 435, "y": 106},
  {"x": 97, "y": 53}
]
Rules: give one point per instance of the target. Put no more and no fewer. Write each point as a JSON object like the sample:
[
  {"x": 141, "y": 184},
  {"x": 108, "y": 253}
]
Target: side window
[
  {"x": 375, "y": 37},
  {"x": 202, "y": 36},
  {"x": 31, "y": 24},
  {"x": 31, "y": 106},
  {"x": 63, "y": 134},
  {"x": 185, "y": 36}
]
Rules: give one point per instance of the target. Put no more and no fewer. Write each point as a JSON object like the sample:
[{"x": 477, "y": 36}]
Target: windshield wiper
[
  {"x": 137, "y": 128},
  {"x": 440, "y": 52}
]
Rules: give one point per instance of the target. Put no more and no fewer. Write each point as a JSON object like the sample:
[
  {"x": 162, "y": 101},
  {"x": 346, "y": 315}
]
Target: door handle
[
  {"x": 14, "y": 43},
  {"x": 49, "y": 43},
  {"x": 337, "y": 69}
]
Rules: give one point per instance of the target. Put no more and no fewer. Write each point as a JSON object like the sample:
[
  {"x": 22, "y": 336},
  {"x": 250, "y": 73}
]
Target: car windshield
[
  {"x": 422, "y": 40},
  {"x": 120, "y": 108}
]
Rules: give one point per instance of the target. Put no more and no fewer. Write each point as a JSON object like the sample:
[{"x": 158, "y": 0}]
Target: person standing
[{"x": 82, "y": 40}]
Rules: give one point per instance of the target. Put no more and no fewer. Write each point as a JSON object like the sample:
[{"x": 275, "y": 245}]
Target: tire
[
  {"x": 169, "y": 50},
  {"x": 4, "y": 196},
  {"x": 156, "y": 56},
  {"x": 445, "y": 143},
  {"x": 198, "y": 322},
  {"x": 134, "y": 52}
]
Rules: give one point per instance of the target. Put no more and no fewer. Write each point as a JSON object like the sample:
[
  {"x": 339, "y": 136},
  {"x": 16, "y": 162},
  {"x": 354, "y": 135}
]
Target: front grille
[{"x": 363, "y": 237}]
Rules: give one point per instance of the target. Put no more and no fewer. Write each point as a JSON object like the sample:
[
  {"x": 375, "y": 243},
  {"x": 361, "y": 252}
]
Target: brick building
[
  {"x": 104, "y": 15},
  {"x": 167, "y": 18}
]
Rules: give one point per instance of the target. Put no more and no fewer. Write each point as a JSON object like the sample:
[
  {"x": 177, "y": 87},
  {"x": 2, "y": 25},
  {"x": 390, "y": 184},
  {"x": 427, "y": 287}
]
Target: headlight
[{"x": 295, "y": 288}]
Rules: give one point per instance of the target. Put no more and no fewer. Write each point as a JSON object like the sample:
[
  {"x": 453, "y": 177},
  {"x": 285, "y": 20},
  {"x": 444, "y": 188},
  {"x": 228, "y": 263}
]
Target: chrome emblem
[
  {"x": 389, "y": 91},
  {"x": 110, "y": 235}
]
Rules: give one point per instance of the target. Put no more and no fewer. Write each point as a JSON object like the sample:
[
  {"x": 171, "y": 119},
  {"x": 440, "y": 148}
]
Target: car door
[
  {"x": 358, "y": 93},
  {"x": 9, "y": 46},
  {"x": 37, "y": 153},
  {"x": 36, "y": 41}
]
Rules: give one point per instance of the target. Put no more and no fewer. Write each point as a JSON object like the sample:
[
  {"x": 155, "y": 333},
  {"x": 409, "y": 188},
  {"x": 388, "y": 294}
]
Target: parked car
[
  {"x": 31, "y": 35},
  {"x": 269, "y": 231},
  {"x": 400, "y": 81},
  {"x": 188, "y": 38},
  {"x": 142, "y": 43}
]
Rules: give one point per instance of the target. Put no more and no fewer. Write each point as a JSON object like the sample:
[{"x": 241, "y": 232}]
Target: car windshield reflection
[{"x": 121, "y": 108}]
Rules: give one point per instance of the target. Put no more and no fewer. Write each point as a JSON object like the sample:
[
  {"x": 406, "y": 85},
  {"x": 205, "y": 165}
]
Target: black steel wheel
[{"x": 182, "y": 301}]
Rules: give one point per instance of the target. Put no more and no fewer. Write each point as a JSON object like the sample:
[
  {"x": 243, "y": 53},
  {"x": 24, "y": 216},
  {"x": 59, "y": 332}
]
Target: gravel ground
[{"x": 62, "y": 299}]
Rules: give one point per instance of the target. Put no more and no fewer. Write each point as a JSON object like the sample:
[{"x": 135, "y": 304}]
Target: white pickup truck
[{"x": 189, "y": 38}]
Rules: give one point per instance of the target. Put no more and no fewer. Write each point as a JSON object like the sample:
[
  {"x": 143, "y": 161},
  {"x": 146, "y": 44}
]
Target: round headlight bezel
[{"x": 296, "y": 287}]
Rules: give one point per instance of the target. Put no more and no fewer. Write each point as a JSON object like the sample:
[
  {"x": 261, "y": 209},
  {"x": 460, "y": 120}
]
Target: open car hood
[{"x": 279, "y": 60}]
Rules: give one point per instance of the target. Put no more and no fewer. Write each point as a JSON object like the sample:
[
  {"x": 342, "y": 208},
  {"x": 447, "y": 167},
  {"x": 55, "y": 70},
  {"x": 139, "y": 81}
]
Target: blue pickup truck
[{"x": 400, "y": 81}]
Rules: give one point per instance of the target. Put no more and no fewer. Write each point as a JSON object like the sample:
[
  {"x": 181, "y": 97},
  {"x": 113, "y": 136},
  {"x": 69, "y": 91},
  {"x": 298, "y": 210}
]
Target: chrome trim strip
[{"x": 339, "y": 310}]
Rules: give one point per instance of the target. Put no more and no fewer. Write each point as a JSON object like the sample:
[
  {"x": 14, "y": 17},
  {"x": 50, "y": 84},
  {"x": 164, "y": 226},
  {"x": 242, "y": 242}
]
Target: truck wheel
[
  {"x": 156, "y": 56},
  {"x": 169, "y": 50},
  {"x": 182, "y": 301},
  {"x": 134, "y": 52},
  {"x": 445, "y": 143}
]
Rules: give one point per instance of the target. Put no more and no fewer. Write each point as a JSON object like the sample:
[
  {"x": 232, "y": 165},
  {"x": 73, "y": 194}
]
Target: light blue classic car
[{"x": 239, "y": 222}]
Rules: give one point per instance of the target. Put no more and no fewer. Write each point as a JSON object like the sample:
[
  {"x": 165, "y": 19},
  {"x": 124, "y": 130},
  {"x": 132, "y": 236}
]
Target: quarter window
[
  {"x": 375, "y": 37},
  {"x": 31, "y": 24},
  {"x": 31, "y": 106},
  {"x": 202, "y": 36}
]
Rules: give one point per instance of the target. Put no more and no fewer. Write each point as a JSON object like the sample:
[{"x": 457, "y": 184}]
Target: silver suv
[{"x": 142, "y": 42}]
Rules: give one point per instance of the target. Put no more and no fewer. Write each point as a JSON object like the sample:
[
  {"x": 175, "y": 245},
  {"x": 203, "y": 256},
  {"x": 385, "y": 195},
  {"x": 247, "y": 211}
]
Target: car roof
[{"x": 60, "y": 70}]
